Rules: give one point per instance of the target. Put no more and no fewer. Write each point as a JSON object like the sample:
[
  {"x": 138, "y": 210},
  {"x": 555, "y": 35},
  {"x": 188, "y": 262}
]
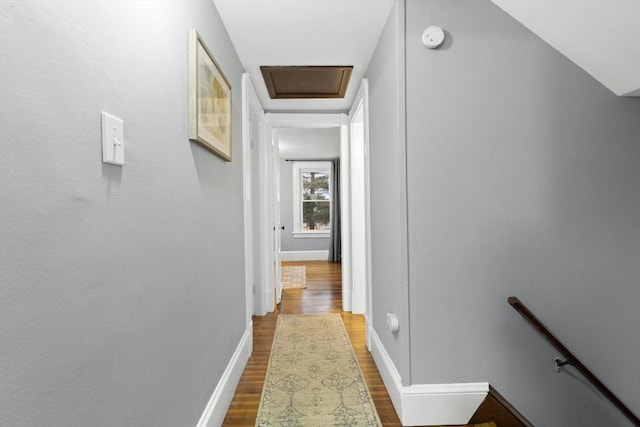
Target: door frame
[
  {"x": 362, "y": 303},
  {"x": 254, "y": 296},
  {"x": 277, "y": 230},
  {"x": 319, "y": 120}
]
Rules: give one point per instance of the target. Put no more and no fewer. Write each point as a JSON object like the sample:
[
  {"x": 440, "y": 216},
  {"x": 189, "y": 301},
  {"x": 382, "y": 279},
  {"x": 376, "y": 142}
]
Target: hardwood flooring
[{"x": 322, "y": 295}]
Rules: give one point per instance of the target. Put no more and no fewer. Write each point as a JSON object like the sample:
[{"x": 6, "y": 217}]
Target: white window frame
[{"x": 298, "y": 169}]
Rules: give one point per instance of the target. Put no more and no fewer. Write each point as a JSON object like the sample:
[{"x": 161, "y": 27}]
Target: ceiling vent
[{"x": 306, "y": 82}]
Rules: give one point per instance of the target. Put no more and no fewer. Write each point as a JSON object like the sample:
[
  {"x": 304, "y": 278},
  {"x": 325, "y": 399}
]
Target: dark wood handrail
[{"x": 571, "y": 358}]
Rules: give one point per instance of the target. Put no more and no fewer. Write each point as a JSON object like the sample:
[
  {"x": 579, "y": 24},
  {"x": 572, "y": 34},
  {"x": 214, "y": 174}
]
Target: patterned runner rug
[
  {"x": 294, "y": 277},
  {"x": 313, "y": 378}
]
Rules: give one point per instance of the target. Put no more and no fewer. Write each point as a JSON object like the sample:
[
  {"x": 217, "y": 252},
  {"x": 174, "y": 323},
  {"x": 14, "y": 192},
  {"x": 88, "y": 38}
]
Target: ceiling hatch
[{"x": 306, "y": 81}]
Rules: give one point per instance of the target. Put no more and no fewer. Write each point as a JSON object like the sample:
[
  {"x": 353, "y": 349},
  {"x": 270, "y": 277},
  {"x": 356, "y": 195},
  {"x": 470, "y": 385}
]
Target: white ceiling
[
  {"x": 309, "y": 143},
  {"x": 600, "y": 36},
  {"x": 304, "y": 32}
]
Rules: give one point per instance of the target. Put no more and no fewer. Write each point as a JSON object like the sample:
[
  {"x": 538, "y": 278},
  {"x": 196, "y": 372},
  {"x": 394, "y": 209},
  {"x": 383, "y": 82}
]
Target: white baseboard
[
  {"x": 347, "y": 298},
  {"x": 368, "y": 329},
  {"x": 426, "y": 404},
  {"x": 322, "y": 255},
  {"x": 388, "y": 371},
  {"x": 269, "y": 301},
  {"x": 218, "y": 404}
]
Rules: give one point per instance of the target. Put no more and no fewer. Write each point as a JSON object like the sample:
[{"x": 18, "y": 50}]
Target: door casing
[{"x": 265, "y": 177}]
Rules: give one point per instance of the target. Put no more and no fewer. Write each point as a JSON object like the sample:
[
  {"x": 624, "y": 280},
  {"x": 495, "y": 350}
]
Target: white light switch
[
  {"x": 392, "y": 322},
  {"x": 112, "y": 140}
]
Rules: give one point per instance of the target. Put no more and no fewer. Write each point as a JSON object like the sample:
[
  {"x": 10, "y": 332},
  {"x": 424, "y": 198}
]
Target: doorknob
[{"x": 282, "y": 227}]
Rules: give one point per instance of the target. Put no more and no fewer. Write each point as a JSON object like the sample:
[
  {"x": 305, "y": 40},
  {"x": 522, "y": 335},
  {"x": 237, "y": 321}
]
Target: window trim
[{"x": 298, "y": 168}]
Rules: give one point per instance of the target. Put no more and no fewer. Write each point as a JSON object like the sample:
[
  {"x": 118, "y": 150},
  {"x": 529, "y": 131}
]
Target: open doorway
[
  {"x": 308, "y": 190},
  {"x": 310, "y": 216},
  {"x": 309, "y": 193},
  {"x": 271, "y": 168}
]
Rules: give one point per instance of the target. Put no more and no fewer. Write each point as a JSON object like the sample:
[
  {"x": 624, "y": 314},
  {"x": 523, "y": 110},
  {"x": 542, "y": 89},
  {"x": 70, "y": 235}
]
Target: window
[{"x": 312, "y": 199}]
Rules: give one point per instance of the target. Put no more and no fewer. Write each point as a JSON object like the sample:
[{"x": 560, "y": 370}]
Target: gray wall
[
  {"x": 387, "y": 183},
  {"x": 115, "y": 281},
  {"x": 286, "y": 216},
  {"x": 522, "y": 175}
]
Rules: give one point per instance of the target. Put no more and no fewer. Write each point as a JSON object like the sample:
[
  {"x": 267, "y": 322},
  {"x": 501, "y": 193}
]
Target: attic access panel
[{"x": 306, "y": 82}]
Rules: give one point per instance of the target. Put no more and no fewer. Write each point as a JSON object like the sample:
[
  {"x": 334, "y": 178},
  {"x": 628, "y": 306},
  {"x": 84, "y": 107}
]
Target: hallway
[{"x": 322, "y": 295}]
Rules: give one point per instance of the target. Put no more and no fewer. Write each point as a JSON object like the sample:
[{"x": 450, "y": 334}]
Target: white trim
[
  {"x": 345, "y": 207},
  {"x": 270, "y": 295},
  {"x": 367, "y": 209},
  {"x": 368, "y": 330},
  {"x": 306, "y": 120},
  {"x": 247, "y": 198},
  {"x": 427, "y": 404},
  {"x": 222, "y": 396},
  {"x": 265, "y": 283},
  {"x": 321, "y": 255},
  {"x": 359, "y": 203},
  {"x": 347, "y": 297},
  {"x": 277, "y": 231},
  {"x": 451, "y": 388},
  {"x": 259, "y": 256},
  {"x": 310, "y": 235},
  {"x": 250, "y": 105},
  {"x": 388, "y": 371}
]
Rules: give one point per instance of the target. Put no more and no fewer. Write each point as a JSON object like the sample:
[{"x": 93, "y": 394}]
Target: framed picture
[{"x": 209, "y": 100}]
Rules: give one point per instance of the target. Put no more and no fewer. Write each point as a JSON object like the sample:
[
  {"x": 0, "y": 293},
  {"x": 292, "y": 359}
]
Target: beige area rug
[
  {"x": 313, "y": 378},
  {"x": 294, "y": 277}
]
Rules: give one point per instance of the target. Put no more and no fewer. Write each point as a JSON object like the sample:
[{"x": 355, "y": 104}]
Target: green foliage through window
[{"x": 316, "y": 201}]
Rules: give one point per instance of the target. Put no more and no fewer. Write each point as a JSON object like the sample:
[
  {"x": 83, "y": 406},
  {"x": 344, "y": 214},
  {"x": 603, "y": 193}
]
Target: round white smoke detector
[{"x": 433, "y": 37}]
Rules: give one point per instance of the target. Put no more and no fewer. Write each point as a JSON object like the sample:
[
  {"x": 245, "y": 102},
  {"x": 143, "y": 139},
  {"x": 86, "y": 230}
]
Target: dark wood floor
[{"x": 322, "y": 295}]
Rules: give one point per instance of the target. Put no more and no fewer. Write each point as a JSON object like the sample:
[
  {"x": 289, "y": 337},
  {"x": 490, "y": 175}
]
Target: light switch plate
[
  {"x": 392, "y": 322},
  {"x": 112, "y": 140}
]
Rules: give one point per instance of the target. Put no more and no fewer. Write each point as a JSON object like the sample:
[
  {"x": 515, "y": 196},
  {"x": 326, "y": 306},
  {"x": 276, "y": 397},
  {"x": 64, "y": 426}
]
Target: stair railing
[{"x": 571, "y": 359}]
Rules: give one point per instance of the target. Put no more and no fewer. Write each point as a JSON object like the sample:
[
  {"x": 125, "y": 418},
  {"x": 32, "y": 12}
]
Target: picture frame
[{"x": 209, "y": 100}]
